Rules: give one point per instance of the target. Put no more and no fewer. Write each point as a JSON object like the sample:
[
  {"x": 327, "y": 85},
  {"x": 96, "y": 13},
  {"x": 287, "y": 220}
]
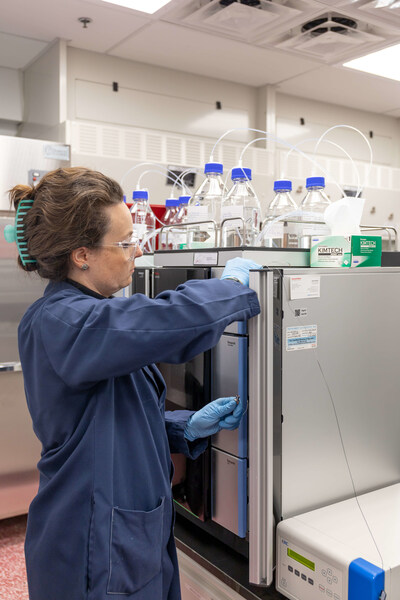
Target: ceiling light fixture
[
  {"x": 146, "y": 6},
  {"x": 385, "y": 63},
  {"x": 387, "y": 4}
]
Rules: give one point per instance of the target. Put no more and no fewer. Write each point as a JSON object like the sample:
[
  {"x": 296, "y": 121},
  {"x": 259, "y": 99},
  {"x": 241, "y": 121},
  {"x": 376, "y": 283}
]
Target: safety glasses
[{"x": 129, "y": 246}]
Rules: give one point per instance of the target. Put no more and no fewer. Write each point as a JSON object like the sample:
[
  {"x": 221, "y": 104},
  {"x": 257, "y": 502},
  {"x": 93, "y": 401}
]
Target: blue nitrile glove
[
  {"x": 238, "y": 268},
  {"x": 212, "y": 418}
]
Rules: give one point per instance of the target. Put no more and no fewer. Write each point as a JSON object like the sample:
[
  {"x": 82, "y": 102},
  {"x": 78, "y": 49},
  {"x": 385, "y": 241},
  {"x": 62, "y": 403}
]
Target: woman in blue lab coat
[{"x": 101, "y": 525}]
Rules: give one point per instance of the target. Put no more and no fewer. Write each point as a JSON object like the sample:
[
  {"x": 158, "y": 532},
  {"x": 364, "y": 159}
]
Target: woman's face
[{"x": 111, "y": 267}]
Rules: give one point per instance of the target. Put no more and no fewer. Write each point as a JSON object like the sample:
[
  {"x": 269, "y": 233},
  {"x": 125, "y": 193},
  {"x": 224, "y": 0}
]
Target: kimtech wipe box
[
  {"x": 330, "y": 251},
  {"x": 366, "y": 251}
]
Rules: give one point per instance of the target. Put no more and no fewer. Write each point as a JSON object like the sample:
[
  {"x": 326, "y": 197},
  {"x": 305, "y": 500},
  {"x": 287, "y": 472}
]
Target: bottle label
[
  {"x": 197, "y": 213},
  {"x": 231, "y": 212},
  {"x": 274, "y": 231}
]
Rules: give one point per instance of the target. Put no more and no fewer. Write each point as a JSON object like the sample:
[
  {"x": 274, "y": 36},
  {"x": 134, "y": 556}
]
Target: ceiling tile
[
  {"x": 197, "y": 52},
  {"x": 393, "y": 113},
  {"x": 49, "y": 19}
]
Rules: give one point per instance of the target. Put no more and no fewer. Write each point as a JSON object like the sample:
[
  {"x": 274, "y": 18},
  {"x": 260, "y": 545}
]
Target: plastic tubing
[
  {"x": 288, "y": 145},
  {"x": 326, "y": 142},
  {"x": 173, "y": 178},
  {"x": 143, "y": 164},
  {"x": 364, "y": 138},
  {"x": 148, "y": 236},
  {"x": 181, "y": 177},
  {"x": 231, "y": 131}
]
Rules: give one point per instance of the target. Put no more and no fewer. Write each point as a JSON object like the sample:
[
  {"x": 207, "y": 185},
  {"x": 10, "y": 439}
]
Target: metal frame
[
  {"x": 186, "y": 224},
  {"x": 261, "y": 519}
]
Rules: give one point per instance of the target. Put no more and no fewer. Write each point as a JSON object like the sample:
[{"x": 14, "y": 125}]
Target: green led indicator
[{"x": 301, "y": 559}]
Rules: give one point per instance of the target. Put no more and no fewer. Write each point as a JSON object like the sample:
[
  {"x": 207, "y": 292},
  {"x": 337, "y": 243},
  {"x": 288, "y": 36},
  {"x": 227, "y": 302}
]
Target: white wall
[
  {"x": 318, "y": 116},
  {"x": 11, "y": 100},
  {"x": 45, "y": 95},
  {"x": 155, "y": 97},
  {"x": 17, "y": 157}
]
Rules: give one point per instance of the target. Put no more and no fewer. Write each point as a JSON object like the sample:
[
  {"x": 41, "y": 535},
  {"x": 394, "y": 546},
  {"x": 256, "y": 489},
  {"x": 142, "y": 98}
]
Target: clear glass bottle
[
  {"x": 313, "y": 208},
  {"x": 180, "y": 235},
  {"x": 205, "y": 204},
  {"x": 143, "y": 219},
  {"x": 280, "y": 234},
  {"x": 240, "y": 202},
  {"x": 171, "y": 205}
]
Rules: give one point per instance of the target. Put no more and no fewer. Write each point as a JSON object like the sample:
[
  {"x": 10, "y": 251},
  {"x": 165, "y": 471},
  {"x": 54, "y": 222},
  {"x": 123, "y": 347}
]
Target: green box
[
  {"x": 330, "y": 251},
  {"x": 366, "y": 251}
]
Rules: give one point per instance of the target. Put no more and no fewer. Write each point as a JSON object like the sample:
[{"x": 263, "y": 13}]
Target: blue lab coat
[{"x": 101, "y": 525}]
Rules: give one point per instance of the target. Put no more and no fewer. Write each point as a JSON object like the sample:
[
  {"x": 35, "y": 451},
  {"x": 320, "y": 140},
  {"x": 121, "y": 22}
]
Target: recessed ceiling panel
[
  {"x": 334, "y": 36},
  {"x": 242, "y": 21},
  {"x": 204, "y": 54}
]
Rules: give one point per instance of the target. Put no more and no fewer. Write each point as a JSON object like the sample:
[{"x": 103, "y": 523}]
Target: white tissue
[{"x": 343, "y": 217}]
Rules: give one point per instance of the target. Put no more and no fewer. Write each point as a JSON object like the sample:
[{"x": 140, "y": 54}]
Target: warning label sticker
[{"x": 301, "y": 338}]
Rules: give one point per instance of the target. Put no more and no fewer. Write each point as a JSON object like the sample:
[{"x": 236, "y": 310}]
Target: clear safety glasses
[{"x": 129, "y": 246}]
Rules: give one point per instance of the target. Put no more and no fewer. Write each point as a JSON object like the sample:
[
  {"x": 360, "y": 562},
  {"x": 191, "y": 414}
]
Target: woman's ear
[{"x": 79, "y": 257}]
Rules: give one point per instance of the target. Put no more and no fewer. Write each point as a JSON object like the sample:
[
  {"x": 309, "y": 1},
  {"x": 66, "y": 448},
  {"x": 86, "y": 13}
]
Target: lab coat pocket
[{"x": 136, "y": 546}]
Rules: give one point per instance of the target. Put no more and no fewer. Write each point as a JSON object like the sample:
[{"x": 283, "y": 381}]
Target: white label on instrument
[
  {"x": 301, "y": 338},
  {"x": 305, "y": 286},
  {"x": 197, "y": 213},
  {"x": 205, "y": 258},
  {"x": 56, "y": 151}
]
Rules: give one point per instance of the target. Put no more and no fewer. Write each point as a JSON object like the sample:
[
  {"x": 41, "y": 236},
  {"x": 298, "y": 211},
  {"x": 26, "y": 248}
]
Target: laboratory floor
[{"x": 13, "y": 584}]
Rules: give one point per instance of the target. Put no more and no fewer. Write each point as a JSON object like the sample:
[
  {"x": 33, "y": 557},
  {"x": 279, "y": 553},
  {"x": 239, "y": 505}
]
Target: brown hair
[{"x": 67, "y": 213}]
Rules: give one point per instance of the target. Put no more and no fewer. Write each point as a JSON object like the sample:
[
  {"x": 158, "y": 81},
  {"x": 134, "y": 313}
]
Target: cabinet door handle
[{"x": 10, "y": 366}]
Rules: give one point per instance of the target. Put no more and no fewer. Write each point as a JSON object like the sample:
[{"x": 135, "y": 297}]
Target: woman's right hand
[{"x": 238, "y": 268}]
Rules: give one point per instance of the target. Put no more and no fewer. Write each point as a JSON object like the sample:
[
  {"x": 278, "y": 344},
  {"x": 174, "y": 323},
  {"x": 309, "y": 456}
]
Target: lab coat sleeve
[
  {"x": 175, "y": 423},
  {"x": 88, "y": 340}
]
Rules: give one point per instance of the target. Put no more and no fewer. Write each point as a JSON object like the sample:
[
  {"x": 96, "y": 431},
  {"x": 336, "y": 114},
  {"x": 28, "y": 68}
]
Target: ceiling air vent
[
  {"x": 330, "y": 38},
  {"x": 245, "y": 19},
  {"x": 255, "y": 3}
]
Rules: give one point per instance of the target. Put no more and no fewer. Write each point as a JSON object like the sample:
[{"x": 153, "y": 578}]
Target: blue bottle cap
[
  {"x": 213, "y": 168},
  {"x": 171, "y": 202},
  {"x": 184, "y": 199},
  {"x": 140, "y": 195},
  {"x": 282, "y": 185},
  {"x": 241, "y": 173},
  {"x": 315, "y": 182},
  {"x": 124, "y": 198}
]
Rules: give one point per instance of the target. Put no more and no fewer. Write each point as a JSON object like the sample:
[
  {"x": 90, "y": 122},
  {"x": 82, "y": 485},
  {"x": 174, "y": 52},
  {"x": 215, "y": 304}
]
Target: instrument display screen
[{"x": 301, "y": 559}]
